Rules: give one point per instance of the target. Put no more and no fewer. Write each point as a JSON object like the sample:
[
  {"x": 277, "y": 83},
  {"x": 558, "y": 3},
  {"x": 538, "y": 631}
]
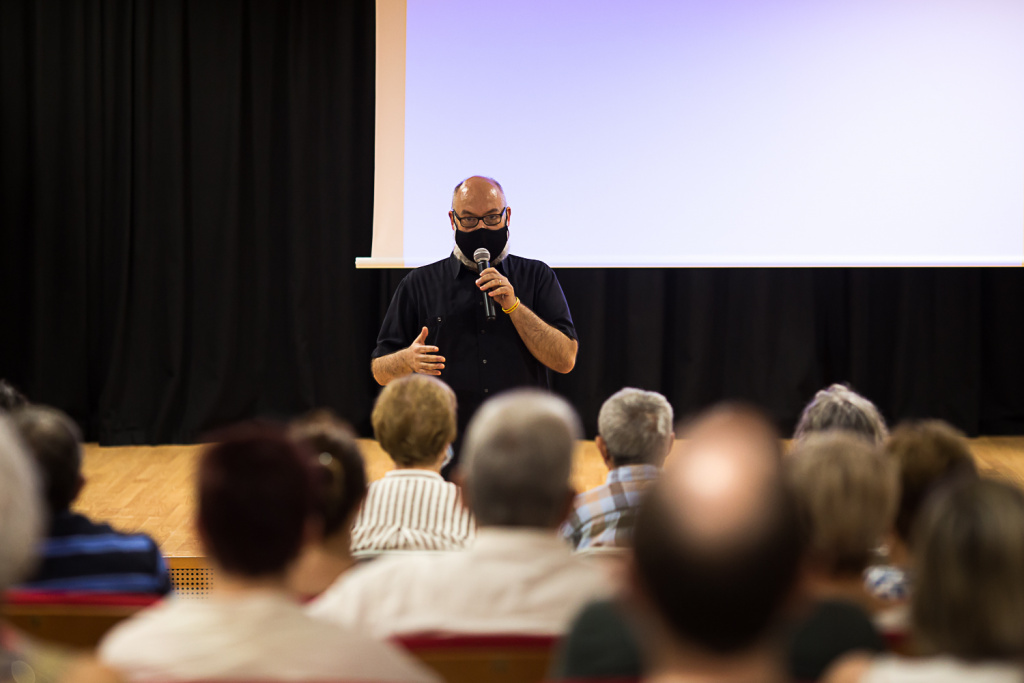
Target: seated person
[
  {"x": 77, "y": 553},
  {"x": 256, "y": 502},
  {"x": 840, "y": 407},
  {"x": 518, "y": 576},
  {"x": 634, "y": 436},
  {"x": 967, "y": 607},
  {"x": 846, "y": 490},
  {"x": 22, "y": 518},
  {"x": 413, "y": 507},
  {"x": 717, "y": 554},
  {"x": 342, "y": 478},
  {"x": 928, "y": 454}
]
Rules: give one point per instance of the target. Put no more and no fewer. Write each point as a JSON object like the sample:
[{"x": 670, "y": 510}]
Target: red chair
[
  {"x": 76, "y": 619},
  {"x": 496, "y": 658}
]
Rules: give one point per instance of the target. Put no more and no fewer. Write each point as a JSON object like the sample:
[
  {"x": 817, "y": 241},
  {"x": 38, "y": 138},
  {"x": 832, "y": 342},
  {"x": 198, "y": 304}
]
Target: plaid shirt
[{"x": 604, "y": 515}]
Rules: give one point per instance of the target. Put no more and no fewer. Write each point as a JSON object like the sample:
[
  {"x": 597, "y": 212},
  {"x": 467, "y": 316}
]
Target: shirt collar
[
  {"x": 459, "y": 262},
  {"x": 517, "y": 542},
  {"x": 413, "y": 472},
  {"x": 633, "y": 473}
]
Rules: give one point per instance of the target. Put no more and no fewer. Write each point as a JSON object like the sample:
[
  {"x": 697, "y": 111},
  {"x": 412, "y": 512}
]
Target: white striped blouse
[{"x": 412, "y": 509}]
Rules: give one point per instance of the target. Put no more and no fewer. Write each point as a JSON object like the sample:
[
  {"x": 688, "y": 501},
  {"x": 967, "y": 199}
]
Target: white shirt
[
  {"x": 412, "y": 509},
  {"x": 256, "y": 636},
  {"x": 940, "y": 670},
  {"x": 512, "y": 581}
]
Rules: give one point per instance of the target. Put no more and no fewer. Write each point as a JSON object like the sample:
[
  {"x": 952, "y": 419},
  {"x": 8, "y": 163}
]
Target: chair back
[
  {"x": 75, "y": 619},
  {"x": 496, "y": 658}
]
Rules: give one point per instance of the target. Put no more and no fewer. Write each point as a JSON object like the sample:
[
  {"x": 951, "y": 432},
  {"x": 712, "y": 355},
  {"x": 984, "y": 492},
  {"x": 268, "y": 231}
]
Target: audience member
[
  {"x": 717, "y": 553},
  {"x": 10, "y": 397},
  {"x": 840, "y": 407},
  {"x": 342, "y": 477},
  {"x": 518, "y": 576},
  {"x": 21, "y": 521},
  {"x": 256, "y": 497},
  {"x": 634, "y": 436},
  {"x": 77, "y": 553},
  {"x": 846, "y": 490},
  {"x": 413, "y": 507},
  {"x": 967, "y": 607},
  {"x": 717, "y": 556},
  {"x": 928, "y": 454}
]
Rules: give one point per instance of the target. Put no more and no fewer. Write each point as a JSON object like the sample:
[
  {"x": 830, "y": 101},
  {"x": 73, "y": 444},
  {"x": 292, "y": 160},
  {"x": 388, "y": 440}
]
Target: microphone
[{"x": 483, "y": 261}]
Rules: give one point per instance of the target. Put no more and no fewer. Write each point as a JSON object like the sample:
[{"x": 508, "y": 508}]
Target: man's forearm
[
  {"x": 547, "y": 344},
  {"x": 390, "y": 367}
]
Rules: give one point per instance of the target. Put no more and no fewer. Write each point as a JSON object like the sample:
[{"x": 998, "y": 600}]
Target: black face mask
[{"x": 493, "y": 241}]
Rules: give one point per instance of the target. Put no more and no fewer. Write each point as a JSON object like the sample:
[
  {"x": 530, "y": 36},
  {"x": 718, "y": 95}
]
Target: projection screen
[{"x": 706, "y": 132}]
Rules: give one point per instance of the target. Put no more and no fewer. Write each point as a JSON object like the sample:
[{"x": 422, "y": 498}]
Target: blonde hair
[
  {"x": 847, "y": 491},
  {"x": 414, "y": 419}
]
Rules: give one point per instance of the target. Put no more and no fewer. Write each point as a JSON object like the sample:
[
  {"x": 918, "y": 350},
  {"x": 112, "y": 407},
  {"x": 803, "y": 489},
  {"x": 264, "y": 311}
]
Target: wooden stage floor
[{"x": 150, "y": 488}]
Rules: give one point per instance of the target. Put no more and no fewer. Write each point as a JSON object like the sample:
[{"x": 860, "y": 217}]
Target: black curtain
[{"x": 184, "y": 187}]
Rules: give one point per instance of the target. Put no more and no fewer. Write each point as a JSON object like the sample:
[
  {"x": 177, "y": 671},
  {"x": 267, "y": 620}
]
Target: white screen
[{"x": 720, "y": 132}]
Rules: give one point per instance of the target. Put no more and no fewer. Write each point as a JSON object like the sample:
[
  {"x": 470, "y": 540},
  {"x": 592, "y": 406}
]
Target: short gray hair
[
  {"x": 840, "y": 407},
  {"x": 518, "y": 458},
  {"x": 21, "y": 507},
  {"x": 635, "y": 425}
]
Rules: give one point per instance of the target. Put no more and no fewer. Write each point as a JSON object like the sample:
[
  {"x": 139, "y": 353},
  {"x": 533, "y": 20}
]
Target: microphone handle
[{"x": 489, "y": 311}]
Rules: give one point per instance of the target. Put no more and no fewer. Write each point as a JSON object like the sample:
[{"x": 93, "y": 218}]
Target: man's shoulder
[
  {"x": 437, "y": 268},
  {"x": 77, "y": 530},
  {"x": 527, "y": 264},
  {"x": 394, "y": 570}
]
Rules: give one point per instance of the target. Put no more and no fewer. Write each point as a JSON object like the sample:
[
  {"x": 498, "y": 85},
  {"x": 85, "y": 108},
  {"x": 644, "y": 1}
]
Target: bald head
[
  {"x": 717, "y": 543},
  {"x": 475, "y": 189},
  {"x": 729, "y": 454}
]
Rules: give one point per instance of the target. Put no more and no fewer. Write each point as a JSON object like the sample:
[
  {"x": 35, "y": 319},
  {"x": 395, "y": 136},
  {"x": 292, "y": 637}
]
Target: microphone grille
[{"x": 481, "y": 254}]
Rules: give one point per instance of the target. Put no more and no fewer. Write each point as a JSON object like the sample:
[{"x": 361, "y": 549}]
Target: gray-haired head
[
  {"x": 840, "y": 407},
  {"x": 21, "y": 508},
  {"x": 636, "y": 427},
  {"x": 517, "y": 459}
]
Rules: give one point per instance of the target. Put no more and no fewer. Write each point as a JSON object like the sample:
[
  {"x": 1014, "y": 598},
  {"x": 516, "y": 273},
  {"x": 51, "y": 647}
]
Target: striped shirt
[
  {"x": 604, "y": 515},
  {"x": 412, "y": 509},
  {"x": 81, "y": 555}
]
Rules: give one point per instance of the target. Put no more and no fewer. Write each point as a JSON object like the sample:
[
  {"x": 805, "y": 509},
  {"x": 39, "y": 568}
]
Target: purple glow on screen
[{"x": 723, "y": 132}]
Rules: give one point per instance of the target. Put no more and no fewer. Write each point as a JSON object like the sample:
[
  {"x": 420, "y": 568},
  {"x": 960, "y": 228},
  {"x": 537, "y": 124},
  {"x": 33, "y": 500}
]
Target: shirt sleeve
[
  {"x": 401, "y": 323},
  {"x": 549, "y": 302}
]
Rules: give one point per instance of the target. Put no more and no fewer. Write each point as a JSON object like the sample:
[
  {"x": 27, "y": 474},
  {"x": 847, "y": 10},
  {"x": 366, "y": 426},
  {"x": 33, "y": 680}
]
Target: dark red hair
[{"x": 256, "y": 492}]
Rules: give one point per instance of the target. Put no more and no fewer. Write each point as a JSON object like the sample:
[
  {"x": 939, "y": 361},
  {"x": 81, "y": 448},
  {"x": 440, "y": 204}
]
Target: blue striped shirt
[{"x": 81, "y": 555}]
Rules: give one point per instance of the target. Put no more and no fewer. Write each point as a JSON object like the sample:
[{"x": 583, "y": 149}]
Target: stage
[{"x": 150, "y": 488}]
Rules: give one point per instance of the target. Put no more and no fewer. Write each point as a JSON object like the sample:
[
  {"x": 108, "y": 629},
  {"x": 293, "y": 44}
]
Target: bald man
[
  {"x": 717, "y": 550},
  {"x": 436, "y": 324}
]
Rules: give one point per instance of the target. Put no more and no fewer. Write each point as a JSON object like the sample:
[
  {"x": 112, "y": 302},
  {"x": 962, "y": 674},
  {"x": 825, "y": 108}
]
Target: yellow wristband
[{"x": 509, "y": 310}]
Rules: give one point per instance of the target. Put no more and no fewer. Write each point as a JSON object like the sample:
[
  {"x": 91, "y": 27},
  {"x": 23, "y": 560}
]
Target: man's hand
[
  {"x": 497, "y": 287},
  {"x": 419, "y": 358}
]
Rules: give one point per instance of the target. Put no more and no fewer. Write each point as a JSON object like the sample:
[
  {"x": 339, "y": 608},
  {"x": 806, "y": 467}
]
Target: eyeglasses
[{"x": 471, "y": 221}]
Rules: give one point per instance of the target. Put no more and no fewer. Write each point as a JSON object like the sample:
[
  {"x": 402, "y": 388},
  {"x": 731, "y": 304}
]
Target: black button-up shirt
[{"x": 481, "y": 357}]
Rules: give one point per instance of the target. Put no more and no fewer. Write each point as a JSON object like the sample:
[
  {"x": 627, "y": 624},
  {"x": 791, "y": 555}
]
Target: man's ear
[
  {"x": 451, "y": 219},
  {"x": 508, "y": 215}
]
